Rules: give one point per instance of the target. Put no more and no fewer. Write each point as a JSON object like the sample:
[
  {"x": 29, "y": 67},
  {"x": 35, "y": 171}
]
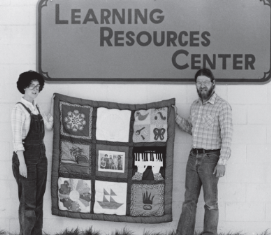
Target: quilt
[{"x": 113, "y": 161}]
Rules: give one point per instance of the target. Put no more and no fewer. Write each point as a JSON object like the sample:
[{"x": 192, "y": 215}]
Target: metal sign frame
[{"x": 43, "y": 3}]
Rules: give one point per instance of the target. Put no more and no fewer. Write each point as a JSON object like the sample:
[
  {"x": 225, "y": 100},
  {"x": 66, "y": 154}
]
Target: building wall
[{"x": 244, "y": 192}]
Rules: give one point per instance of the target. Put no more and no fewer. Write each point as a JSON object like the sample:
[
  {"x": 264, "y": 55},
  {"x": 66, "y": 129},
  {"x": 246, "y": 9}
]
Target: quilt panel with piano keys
[{"x": 113, "y": 161}]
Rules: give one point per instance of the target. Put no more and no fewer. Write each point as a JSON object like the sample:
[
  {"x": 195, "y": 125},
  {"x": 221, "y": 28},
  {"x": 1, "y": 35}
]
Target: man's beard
[{"x": 204, "y": 93}]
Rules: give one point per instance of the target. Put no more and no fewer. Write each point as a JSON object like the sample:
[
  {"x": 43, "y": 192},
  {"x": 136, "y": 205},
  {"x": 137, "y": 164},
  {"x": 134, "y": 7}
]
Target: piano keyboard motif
[
  {"x": 150, "y": 158},
  {"x": 144, "y": 161}
]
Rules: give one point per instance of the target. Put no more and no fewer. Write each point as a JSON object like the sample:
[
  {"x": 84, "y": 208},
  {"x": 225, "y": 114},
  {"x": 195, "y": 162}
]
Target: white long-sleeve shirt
[{"x": 20, "y": 122}]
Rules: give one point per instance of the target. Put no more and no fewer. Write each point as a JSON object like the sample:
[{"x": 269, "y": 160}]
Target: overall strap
[
  {"x": 38, "y": 108},
  {"x": 25, "y": 107}
]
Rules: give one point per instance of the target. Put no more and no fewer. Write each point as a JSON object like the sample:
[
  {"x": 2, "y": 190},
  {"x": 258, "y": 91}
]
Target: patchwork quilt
[{"x": 113, "y": 161}]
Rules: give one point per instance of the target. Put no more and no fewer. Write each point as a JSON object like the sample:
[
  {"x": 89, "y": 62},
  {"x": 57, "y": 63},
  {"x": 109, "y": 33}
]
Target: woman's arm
[
  {"x": 48, "y": 119},
  {"x": 17, "y": 122}
]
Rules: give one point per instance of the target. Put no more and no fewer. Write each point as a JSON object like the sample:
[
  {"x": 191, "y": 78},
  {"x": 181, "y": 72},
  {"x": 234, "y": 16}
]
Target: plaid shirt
[
  {"x": 210, "y": 125},
  {"x": 20, "y": 123}
]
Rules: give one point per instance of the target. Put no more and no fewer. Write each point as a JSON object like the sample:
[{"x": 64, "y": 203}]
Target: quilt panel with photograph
[{"x": 112, "y": 161}]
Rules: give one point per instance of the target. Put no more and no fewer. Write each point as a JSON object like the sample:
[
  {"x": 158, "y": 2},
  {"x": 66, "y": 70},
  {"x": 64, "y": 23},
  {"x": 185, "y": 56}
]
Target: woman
[{"x": 29, "y": 163}]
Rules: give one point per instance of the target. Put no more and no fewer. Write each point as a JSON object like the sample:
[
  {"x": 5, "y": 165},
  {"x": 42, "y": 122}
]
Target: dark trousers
[
  {"x": 199, "y": 172},
  {"x": 30, "y": 192}
]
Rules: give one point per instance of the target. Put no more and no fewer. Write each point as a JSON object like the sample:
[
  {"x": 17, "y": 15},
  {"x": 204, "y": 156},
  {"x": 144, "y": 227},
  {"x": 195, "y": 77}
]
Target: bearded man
[{"x": 210, "y": 124}]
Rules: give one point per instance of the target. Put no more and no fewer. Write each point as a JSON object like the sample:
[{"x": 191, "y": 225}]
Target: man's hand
[
  {"x": 176, "y": 110},
  {"x": 219, "y": 170}
]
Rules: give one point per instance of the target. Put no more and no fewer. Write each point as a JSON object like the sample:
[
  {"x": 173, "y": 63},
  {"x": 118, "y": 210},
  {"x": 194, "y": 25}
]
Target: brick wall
[{"x": 245, "y": 191}]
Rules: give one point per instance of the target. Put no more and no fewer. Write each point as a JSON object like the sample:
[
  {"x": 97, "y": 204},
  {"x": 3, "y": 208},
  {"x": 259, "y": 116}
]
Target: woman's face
[{"x": 32, "y": 90}]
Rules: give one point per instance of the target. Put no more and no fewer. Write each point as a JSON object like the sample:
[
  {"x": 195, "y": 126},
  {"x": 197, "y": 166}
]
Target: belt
[{"x": 200, "y": 151}]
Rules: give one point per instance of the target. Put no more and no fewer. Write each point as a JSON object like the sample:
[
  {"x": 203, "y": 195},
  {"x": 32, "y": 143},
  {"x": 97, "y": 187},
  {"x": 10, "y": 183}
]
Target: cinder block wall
[{"x": 245, "y": 191}]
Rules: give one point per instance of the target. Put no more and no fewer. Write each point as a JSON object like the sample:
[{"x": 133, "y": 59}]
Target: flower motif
[{"x": 75, "y": 121}]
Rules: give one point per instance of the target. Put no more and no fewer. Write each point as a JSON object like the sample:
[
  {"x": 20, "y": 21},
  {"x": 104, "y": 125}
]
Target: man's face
[{"x": 204, "y": 87}]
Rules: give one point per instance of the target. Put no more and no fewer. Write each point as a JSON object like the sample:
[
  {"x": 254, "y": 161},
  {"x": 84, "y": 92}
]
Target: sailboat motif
[{"x": 111, "y": 204}]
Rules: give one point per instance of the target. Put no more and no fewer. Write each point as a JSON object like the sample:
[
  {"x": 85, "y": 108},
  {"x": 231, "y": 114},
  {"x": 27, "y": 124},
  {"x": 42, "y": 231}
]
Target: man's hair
[
  {"x": 205, "y": 72},
  {"x": 26, "y": 78}
]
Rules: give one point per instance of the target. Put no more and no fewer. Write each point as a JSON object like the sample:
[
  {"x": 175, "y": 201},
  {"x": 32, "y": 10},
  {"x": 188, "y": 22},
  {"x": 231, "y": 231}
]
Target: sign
[{"x": 154, "y": 40}]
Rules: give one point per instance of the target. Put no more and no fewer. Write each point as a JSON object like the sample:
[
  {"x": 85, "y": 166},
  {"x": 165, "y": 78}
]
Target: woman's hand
[
  {"x": 52, "y": 105},
  {"x": 22, "y": 167},
  {"x": 47, "y": 117},
  {"x": 23, "y": 170}
]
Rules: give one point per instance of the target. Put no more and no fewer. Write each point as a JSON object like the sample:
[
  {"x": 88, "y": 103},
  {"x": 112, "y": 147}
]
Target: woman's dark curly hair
[{"x": 26, "y": 78}]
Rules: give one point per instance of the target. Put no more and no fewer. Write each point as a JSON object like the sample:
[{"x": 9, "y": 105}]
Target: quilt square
[
  {"x": 112, "y": 161},
  {"x": 158, "y": 133},
  {"x": 113, "y": 125},
  {"x": 150, "y": 125},
  {"x": 143, "y": 117},
  {"x": 76, "y": 120},
  {"x": 141, "y": 133},
  {"x": 110, "y": 198},
  {"x": 149, "y": 163},
  {"x": 75, "y": 158},
  {"x": 159, "y": 116},
  {"x": 74, "y": 195},
  {"x": 147, "y": 200}
]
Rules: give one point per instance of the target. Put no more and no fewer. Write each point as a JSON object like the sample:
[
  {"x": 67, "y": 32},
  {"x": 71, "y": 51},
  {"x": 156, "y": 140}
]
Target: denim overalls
[{"x": 32, "y": 188}]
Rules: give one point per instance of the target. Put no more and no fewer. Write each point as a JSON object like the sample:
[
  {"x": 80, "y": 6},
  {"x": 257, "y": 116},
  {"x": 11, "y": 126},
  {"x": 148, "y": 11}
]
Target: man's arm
[
  {"x": 184, "y": 124},
  {"x": 225, "y": 120}
]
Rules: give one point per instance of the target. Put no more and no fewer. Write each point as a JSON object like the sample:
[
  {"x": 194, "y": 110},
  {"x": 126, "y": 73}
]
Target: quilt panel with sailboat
[{"x": 113, "y": 161}]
